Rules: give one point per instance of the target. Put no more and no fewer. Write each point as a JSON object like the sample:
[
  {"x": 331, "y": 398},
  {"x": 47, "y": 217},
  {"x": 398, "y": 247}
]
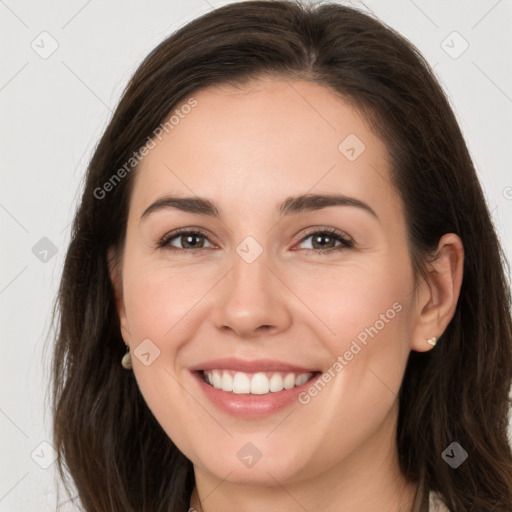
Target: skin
[{"x": 247, "y": 149}]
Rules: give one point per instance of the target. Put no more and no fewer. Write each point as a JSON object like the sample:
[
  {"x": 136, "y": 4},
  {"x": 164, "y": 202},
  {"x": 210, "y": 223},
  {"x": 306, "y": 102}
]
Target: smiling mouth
[{"x": 256, "y": 383}]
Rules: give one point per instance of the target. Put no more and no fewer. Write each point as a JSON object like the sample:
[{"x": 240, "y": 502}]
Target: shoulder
[{"x": 435, "y": 503}]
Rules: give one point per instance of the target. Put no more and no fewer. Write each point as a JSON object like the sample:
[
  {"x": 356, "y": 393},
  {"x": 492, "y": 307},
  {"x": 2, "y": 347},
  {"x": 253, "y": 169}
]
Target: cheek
[
  {"x": 365, "y": 313},
  {"x": 358, "y": 301},
  {"x": 160, "y": 308},
  {"x": 369, "y": 352},
  {"x": 159, "y": 298}
]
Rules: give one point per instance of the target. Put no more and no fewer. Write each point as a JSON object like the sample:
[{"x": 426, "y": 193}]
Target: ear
[
  {"x": 437, "y": 296},
  {"x": 117, "y": 283}
]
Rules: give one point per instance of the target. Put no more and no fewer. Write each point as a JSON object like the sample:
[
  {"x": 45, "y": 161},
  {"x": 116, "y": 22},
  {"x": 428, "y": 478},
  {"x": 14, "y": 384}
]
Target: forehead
[{"x": 259, "y": 142}]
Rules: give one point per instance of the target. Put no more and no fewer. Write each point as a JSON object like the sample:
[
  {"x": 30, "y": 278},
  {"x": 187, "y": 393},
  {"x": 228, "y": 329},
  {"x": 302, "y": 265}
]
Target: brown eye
[
  {"x": 184, "y": 240},
  {"x": 328, "y": 240}
]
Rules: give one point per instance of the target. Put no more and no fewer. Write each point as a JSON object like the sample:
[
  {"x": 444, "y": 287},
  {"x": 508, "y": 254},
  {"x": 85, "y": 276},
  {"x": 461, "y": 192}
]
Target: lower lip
[{"x": 248, "y": 405}]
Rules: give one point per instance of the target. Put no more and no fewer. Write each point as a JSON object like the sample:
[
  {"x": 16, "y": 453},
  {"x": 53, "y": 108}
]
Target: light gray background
[{"x": 54, "y": 109}]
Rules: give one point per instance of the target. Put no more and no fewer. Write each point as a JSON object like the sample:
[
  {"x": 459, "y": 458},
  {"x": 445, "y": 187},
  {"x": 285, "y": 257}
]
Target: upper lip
[{"x": 255, "y": 365}]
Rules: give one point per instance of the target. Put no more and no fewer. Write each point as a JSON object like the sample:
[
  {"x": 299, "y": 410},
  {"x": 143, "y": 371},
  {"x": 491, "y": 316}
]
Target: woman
[{"x": 283, "y": 289}]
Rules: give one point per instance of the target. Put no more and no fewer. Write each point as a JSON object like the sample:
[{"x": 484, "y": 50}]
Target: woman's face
[{"x": 260, "y": 287}]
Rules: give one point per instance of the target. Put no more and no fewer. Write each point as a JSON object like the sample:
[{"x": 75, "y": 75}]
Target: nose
[{"x": 252, "y": 300}]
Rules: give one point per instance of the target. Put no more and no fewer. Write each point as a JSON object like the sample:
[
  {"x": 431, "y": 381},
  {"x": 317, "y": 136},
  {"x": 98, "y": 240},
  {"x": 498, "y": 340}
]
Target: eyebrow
[{"x": 290, "y": 206}]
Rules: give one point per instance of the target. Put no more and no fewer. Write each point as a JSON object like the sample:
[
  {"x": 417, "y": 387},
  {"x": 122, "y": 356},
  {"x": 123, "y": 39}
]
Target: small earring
[
  {"x": 432, "y": 340},
  {"x": 126, "y": 361}
]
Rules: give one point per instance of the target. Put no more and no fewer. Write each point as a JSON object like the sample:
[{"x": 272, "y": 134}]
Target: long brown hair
[{"x": 116, "y": 453}]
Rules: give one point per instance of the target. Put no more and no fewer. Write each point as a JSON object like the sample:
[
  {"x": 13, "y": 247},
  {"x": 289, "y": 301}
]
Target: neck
[{"x": 368, "y": 479}]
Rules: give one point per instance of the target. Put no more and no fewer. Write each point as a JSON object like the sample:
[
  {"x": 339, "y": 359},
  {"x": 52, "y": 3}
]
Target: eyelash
[{"x": 346, "y": 242}]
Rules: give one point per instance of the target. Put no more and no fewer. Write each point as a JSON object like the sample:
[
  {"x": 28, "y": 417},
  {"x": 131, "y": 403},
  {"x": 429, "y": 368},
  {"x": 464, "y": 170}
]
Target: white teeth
[
  {"x": 301, "y": 379},
  {"x": 216, "y": 380},
  {"x": 289, "y": 381},
  {"x": 241, "y": 384},
  {"x": 260, "y": 383},
  {"x": 226, "y": 383},
  {"x": 276, "y": 383}
]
